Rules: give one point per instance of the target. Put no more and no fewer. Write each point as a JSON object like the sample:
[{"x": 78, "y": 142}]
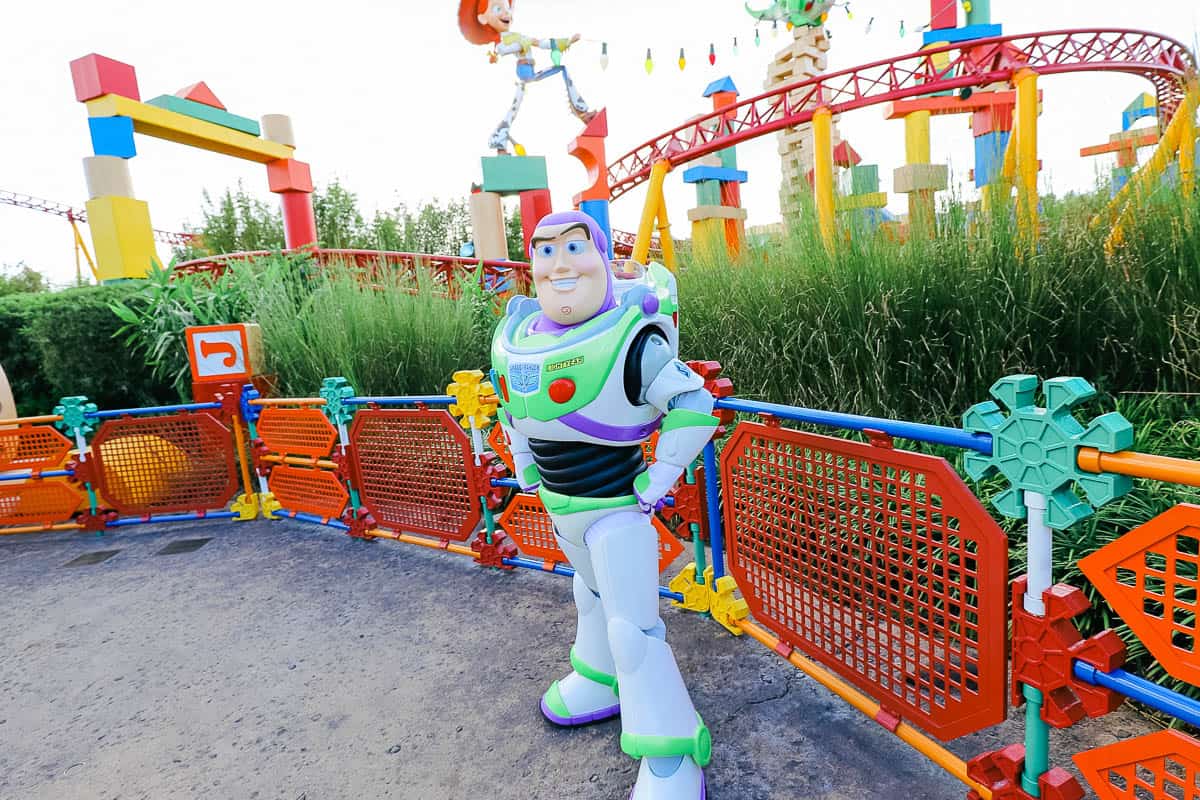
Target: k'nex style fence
[{"x": 872, "y": 568}]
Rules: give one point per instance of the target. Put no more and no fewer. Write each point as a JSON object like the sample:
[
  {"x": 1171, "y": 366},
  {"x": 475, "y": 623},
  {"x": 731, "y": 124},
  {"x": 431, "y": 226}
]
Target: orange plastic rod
[
  {"x": 905, "y": 732},
  {"x": 240, "y": 440},
  {"x": 288, "y": 401},
  {"x": 32, "y": 420},
  {"x": 433, "y": 544},
  {"x": 62, "y": 526},
  {"x": 300, "y": 462},
  {"x": 1140, "y": 465}
]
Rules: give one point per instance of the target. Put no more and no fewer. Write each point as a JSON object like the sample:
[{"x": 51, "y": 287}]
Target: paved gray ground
[{"x": 285, "y": 661}]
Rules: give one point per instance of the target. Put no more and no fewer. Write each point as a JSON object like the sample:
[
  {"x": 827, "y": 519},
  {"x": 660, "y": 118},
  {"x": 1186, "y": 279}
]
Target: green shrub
[{"x": 61, "y": 343}]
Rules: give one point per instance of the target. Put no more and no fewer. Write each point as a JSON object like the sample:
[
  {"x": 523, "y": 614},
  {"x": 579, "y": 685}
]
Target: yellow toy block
[
  {"x": 246, "y": 507},
  {"x": 269, "y": 505},
  {"x": 174, "y": 127},
  {"x": 857, "y": 201},
  {"x": 708, "y": 236},
  {"x": 724, "y": 607},
  {"x": 122, "y": 238},
  {"x": 695, "y": 595},
  {"x": 107, "y": 175},
  {"x": 715, "y": 212}
]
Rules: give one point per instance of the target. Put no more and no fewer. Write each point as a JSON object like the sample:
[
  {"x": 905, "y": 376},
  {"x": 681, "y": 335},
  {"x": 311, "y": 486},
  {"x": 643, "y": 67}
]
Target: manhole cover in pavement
[
  {"x": 98, "y": 557},
  {"x": 183, "y": 546}
]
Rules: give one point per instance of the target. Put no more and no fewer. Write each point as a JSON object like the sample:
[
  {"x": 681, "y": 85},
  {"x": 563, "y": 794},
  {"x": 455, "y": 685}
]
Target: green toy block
[
  {"x": 190, "y": 108},
  {"x": 728, "y": 157},
  {"x": 864, "y": 179},
  {"x": 708, "y": 193},
  {"x": 513, "y": 174},
  {"x": 1036, "y": 449}
]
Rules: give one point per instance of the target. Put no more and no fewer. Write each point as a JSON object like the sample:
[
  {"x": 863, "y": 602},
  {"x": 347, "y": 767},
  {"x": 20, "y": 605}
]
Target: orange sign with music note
[{"x": 224, "y": 353}]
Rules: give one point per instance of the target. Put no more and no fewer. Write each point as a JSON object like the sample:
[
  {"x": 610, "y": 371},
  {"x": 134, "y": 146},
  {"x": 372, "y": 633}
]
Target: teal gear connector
[
  {"x": 1037, "y": 449},
  {"x": 334, "y": 391}
]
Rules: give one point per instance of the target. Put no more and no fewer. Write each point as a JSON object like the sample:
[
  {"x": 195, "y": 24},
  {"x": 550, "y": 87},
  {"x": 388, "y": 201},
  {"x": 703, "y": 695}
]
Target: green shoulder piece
[{"x": 662, "y": 282}]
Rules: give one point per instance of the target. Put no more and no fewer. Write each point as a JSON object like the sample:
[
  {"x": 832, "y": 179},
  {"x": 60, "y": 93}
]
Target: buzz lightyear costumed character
[
  {"x": 585, "y": 373},
  {"x": 489, "y": 21}
]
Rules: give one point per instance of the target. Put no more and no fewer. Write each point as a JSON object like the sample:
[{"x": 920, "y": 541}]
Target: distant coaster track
[{"x": 1160, "y": 59}]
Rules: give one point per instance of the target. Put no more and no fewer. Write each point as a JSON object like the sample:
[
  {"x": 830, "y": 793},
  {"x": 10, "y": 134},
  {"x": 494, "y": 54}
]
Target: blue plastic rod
[
  {"x": 716, "y": 532},
  {"x": 564, "y": 570},
  {"x": 154, "y": 519},
  {"x": 142, "y": 412},
  {"x": 313, "y": 518},
  {"x": 1142, "y": 690},
  {"x": 26, "y": 475},
  {"x": 427, "y": 399},
  {"x": 916, "y": 431}
]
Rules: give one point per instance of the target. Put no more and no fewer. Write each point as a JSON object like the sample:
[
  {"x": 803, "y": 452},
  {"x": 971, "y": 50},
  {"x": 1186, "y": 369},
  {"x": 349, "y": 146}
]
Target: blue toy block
[
  {"x": 963, "y": 34},
  {"x": 697, "y": 174},
  {"x": 989, "y": 157},
  {"x": 721, "y": 85},
  {"x": 1129, "y": 116},
  {"x": 598, "y": 210},
  {"x": 112, "y": 136}
]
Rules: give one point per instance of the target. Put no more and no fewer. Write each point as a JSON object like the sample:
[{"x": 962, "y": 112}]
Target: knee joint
[{"x": 629, "y": 642}]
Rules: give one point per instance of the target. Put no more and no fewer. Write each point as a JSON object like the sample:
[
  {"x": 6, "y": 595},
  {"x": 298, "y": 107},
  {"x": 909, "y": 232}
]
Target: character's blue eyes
[
  {"x": 545, "y": 250},
  {"x": 576, "y": 247}
]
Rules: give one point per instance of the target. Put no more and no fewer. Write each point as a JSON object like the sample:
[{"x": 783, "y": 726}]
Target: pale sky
[{"x": 388, "y": 98}]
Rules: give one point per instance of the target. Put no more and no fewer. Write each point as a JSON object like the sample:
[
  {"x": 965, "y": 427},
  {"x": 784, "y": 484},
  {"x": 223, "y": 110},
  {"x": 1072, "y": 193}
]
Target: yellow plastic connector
[
  {"x": 695, "y": 595},
  {"x": 724, "y": 607},
  {"x": 474, "y": 399},
  {"x": 246, "y": 507},
  {"x": 269, "y": 505}
]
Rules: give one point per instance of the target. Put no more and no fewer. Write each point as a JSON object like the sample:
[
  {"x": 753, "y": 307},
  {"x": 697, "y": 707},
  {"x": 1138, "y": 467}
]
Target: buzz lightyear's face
[
  {"x": 568, "y": 272},
  {"x": 498, "y": 15}
]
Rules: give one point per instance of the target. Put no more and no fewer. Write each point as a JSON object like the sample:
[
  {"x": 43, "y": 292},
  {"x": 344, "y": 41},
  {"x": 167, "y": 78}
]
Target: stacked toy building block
[
  {"x": 524, "y": 176},
  {"x": 588, "y": 147},
  {"x": 120, "y": 224},
  {"x": 806, "y": 57},
  {"x": 859, "y": 195},
  {"x": 1126, "y": 143},
  {"x": 718, "y": 220}
]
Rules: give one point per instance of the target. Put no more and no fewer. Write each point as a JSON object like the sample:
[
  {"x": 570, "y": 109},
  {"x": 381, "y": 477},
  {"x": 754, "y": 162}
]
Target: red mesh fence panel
[
  {"x": 414, "y": 471},
  {"x": 32, "y": 447},
  {"x": 37, "y": 503},
  {"x": 1158, "y": 766},
  {"x": 314, "y": 491},
  {"x": 1149, "y": 576},
  {"x": 878, "y": 563},
  {"x": 296, "y": 431},
  {"x": 181, "y": 462},
  {"x": 530, "y": 526}
]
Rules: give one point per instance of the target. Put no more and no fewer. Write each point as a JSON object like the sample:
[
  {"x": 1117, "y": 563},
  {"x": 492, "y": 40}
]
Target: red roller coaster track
[{"x": 1160, "y": 59}]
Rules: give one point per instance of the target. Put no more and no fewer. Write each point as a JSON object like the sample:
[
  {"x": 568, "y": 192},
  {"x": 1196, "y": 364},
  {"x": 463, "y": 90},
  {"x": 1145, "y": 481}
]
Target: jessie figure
[{"x": 488, "y": 22}]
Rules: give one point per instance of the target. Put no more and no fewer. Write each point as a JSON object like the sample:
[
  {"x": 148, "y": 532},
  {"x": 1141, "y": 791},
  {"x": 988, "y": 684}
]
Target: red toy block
[
  {"x": 95, "y": 75},
  {"x": 1044, "y": 649},
  {"x": 598, "y": 126},
  {"x": 289, "y": 175},
  {"x": 845, "y": 156},
  {"x": 299, "y": 221},
  {"x": 535, "y": 204},
  {"x": 590, "y": 151},
  {"x": 991, "y": 120},
  {"x": 731, "y": 195},
  {"x": 1000, "y": 771},
  {"x": 942, "y": 15},
  {"x": 200, "y": 93}
]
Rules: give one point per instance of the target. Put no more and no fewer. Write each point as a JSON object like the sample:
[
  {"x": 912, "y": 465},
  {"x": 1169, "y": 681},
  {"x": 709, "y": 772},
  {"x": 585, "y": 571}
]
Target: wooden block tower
[
  {"x": 806, "y": 57},
  {"x": 718, "y": 221}
]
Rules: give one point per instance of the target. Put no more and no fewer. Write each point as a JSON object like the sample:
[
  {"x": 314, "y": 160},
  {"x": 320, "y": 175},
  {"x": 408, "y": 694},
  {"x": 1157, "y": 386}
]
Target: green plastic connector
[
  {"x": 74, "y": 411},
  {"x": 1037, "y": 449},
  {"x": 335, "y": 391}
]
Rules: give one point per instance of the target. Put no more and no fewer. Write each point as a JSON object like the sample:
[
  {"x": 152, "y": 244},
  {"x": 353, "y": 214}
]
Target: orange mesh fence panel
[
  {"x": 181, "y": 462},
  {"x": 296, "y": 431},
  {"x": 415, "y": 472},
  {"x": 32, "y": 447},
  {"x": 878, "y": 563},
  {"x": 1158, "y": 766},
  {"x": 528, "y": 522},
  {"x": 37, "y": 503},
  {"x": 314, "y": 491},
  {"x": 1149, "y": 576}
]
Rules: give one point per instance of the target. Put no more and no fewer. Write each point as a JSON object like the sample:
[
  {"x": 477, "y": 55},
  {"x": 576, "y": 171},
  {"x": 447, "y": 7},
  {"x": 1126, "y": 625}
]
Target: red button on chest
[{"x": 561, "y": 390}]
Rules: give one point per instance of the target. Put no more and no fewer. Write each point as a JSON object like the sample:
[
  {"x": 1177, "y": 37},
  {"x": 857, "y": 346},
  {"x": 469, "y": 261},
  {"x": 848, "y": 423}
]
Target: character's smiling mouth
[{"x": 564, "y": 284}]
